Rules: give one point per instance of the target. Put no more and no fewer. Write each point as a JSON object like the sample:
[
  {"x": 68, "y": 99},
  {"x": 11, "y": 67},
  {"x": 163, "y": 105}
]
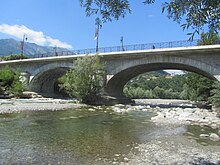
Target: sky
[{"x": 63, "y": 23}]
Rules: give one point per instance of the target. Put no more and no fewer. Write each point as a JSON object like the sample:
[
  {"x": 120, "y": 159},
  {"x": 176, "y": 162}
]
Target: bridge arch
[
  {"x": 44, "y": 80},
  {"x": 123, "y": 73}
]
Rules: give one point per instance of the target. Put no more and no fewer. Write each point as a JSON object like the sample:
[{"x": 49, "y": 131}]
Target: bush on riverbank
[{"x": 10, "y": 84}]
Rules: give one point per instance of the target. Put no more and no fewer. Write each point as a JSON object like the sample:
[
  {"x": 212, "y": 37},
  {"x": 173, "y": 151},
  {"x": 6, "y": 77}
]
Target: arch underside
[
  {"x": 46, "y": 82},
  {"x": 116, "y": 84}
]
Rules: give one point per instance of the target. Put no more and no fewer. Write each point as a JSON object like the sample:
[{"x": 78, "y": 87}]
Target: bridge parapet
[{"x": 148, "y": 46}]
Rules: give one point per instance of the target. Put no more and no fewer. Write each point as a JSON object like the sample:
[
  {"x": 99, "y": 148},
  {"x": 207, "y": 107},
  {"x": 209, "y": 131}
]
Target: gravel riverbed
[
  {"x": 18, "y": 105},
  {"x": 166, "y": 149}
]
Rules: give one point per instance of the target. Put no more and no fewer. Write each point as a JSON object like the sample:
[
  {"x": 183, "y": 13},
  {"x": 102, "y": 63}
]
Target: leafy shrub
[{"x": 10, "y": 82}]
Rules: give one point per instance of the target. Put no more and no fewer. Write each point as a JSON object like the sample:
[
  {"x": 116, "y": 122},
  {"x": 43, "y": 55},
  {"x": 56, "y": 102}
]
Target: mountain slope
[{"x": 11, "y": 46}]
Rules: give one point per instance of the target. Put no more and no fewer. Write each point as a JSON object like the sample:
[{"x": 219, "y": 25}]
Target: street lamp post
[
  {"x": 22, "y": 44},
  {"x": 122, "y": 43},
  {"x": 97, "y": 39},
  {"x": 98, "y": 27}
]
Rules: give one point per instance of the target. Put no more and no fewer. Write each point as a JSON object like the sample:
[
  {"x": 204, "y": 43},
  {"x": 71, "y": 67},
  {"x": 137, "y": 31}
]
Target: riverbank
[{"x": 38, "y": 104}]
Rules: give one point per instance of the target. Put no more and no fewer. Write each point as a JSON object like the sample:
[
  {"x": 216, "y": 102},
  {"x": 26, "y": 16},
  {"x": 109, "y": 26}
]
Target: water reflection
[{"x": 71, "y": 136}]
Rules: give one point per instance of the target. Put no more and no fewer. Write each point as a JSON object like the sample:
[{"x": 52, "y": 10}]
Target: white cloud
[{"x": 37, "y": 37}]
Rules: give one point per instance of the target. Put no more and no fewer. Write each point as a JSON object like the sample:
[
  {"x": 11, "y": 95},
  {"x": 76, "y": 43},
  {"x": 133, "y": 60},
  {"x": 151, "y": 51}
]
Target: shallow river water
[{"x": 79, "y": 136}]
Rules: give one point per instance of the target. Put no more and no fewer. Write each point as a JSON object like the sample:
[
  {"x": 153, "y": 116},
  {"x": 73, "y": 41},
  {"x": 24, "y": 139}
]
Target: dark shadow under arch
[
  {"x": 116, "y": 84},
  {"x": 46, "y": 82}
]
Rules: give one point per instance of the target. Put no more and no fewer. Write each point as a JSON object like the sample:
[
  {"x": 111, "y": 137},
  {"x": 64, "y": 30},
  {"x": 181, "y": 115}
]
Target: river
[{"x": 90, "y": 136}]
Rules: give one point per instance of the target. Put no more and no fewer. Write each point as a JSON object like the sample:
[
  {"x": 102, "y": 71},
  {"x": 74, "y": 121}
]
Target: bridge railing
[{"x": 148, "y": 46}]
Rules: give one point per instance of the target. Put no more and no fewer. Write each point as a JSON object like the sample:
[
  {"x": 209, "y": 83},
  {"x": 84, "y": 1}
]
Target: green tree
[
  {"x": 135, "y": 93},
  {"x": 85, "y": 80},
  {"x": 215, "y": 98},
  {"x": 197, "y": 87},
  {"x": 194, "y": 14},
  {"x": 17, "y": 88},
  {"x": 209, "y": 38},
  {"x": 159, "y": 92},
  {"x": 154, "y": 85},
  {"x": 7, "y": 77},
  {"x": 105, "y": 11}
]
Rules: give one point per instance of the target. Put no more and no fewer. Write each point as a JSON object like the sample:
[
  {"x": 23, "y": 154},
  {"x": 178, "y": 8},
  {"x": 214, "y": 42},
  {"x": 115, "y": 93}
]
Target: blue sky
[{"x": 63, "y": 23}]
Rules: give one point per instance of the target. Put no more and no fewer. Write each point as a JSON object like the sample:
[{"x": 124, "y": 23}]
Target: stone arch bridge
[{"x": 41, "y": 74}]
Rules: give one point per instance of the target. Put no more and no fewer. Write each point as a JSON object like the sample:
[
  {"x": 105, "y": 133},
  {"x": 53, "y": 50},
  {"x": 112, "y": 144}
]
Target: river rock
[
  {"x": 203, "y": 136},
  {"x": 214, "y": 137},
  {"x": 130, "y": 109},
  {"x": 126, "y": 159},
  {"x": 119, "y": 105},
  {"x": 214, "y": 126},
  {"x": 91, "y": 109},
  {"x": 116, "y": 109}
]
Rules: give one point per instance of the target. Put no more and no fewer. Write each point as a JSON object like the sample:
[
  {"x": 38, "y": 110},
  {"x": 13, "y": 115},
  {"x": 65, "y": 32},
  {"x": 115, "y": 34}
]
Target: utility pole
[{"x": 22, "y": 44}]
